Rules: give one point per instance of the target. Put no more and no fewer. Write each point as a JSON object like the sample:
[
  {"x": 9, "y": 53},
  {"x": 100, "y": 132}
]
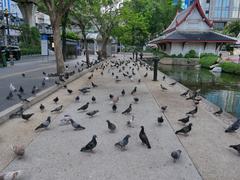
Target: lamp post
[{"x": 8, "y": 33}]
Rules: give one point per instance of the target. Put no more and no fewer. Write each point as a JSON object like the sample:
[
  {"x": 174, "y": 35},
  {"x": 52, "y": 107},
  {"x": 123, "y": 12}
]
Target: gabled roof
[
  {"x": 178, "y": 36},
  {"x": 182, "y": 16}
]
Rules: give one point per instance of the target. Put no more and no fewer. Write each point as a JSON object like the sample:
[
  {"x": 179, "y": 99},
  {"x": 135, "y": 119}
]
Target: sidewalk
[{"x": 54, "y": 153}]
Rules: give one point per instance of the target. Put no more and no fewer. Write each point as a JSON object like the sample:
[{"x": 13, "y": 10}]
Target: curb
[{"x": 4, "y": 115}]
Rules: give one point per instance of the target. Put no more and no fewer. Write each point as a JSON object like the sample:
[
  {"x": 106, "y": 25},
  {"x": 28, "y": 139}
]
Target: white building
[{"x": 191, "y": 30}]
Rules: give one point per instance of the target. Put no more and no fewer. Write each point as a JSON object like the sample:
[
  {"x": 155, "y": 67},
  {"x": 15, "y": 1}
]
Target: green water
[{"x": 221, "y": 89}]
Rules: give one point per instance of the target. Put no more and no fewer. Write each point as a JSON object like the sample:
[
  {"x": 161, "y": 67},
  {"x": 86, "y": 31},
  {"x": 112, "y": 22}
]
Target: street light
[{"x": 6, "y": 15}]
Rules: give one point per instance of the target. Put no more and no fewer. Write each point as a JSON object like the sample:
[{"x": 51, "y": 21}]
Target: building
[
  {"x": 191, "y": 30},
  {"x": 184, "y": 3},
  {"x": 221, "y": 11}
]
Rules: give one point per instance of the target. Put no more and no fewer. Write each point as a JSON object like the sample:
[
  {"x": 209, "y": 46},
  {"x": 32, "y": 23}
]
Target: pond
[{"x": 222, "y": 89}]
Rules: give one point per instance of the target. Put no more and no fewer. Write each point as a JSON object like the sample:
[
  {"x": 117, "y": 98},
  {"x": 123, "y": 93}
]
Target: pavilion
[{"x": 191, "y": 30}]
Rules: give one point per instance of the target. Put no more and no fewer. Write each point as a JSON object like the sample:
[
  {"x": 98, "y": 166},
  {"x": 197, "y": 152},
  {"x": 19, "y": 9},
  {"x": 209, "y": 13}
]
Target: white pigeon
[
  {"x": 12, "y": 175},
  {"x": 130, "y": 122},
  {"x": 46, "y": 78},
  {"x": 65, "y": 120},
  {"x": 12, "y": 88}
]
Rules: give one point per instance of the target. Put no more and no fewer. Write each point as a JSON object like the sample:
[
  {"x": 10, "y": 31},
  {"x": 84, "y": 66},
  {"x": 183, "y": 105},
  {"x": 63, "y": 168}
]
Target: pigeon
[
  {"x": 111, "y": 126},
  {"x": 90, "y": 77},
  {"x": 69, "y": 91},
  {"x": 145, "y": 75},
  {"x": 76, "y": 126},
  {"x": 92, "y": 144},
  {"x": 185, "y": 129},
  {"x": 21, "y": 90},
  {"x": 65, "y": 86},
  {"x": 84, "y": 91},
  {"x": 57, "y": 83},
  {"x": 18, "y": 150},
  {"x": 136, "y": 99},
  {"x": 56, "y": 99},
  {"x": 160, "y": 120},
  {"x": 236, "y": 147},
  {"x": 92, "y": 113},
  {"x": 130, "y": 122},
  {"x": 128, "y": 110},
  {"x": 23, "y": 75},
  {"x": 114, "y": 107},
  {"x": 144, "y": 138},
  {"x": 94, "y": 85},
  {"x": 12, "y": 88},
  {"x": 192, "y": 112},
  {"x": 65, "y": 120},
  {"x": 41, "y": 107},
  {"x": 134, "y": 90},
  {"x": 233, "y": 127},
  {"x": 115, "y": 99},
  {"x": 163, "y": 78},
  {"x": 139, "y": 80},
  {"x": 45, "y": 124},
  {"x": 27, "y": 116},
  {"x": 43, "y": 83},
  {"x": 57, "y": 109},
  {"x": 44, "y": 73},
  {"x": 172, "y": 84},
  {"x": 185, "y": 93},
  {"x": 184, "y": 120},
  {"x": 10, "y": 95},
  {"x": 122, "y": 144},
  {"x": 123, "y": 92},
  {"x": 162, "y": 87},
  {"x": 176, "y": 155},
  {"x": 163, "y": 108},
  {"x": 84, "y": 107},
  {"x": 12, "y": 175},
  {"x": 77, "y": 98},
  {"x": 93, "y": 99},
  {"x": 110, "y": 96},
  {"x": 219, "y": 112}
]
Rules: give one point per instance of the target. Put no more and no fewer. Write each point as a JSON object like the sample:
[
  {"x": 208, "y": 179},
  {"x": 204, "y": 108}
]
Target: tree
[
  {"x": 81, "y": 18},
  {"x": 56, "y": 10},
  {"x": 233, "y": 28},
  {"x": 104, "y": 15}
]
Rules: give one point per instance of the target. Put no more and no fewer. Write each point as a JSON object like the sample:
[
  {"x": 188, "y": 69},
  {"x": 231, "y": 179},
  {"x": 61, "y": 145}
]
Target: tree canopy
[{"x": 233, "y": 28}]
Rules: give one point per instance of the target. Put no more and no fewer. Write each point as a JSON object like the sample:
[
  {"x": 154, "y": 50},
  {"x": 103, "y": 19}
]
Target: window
[
  {"x": 207, "y": 12},
  {"x": 207, "y": 1}
]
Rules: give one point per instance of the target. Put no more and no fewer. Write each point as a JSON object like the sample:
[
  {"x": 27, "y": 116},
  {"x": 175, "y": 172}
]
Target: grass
[
  {"x": 230, "y": 67},
  {"x": 207, "y": 60}
]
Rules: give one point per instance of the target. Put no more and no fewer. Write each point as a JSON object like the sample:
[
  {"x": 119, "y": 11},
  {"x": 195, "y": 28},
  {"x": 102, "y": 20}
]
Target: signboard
[{"x": 44, "y": 45}]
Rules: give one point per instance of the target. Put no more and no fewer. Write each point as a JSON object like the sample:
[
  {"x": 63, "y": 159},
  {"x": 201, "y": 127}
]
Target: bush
[
  {"x": 191, "y": 54},
  {"x": 230, "y": 67},
  {"x": 72, "y": 35},
  {"x": 30, "y": 51},
  {"x": 207, "y": 60}
]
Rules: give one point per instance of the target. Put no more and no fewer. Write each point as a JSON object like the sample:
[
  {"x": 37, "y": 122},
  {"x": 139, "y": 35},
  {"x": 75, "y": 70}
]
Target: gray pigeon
[
  {"x": 122, "y": 144},
  {"x": 92, "y": 113},
  {"x": 236, "y": 147},
  {"x": 57, "y": 109},
  {"x": 128, "y": 110},
  {"x": 232, "y": 128},
  {"x": 111, "y": 126},
  {"x": 84, "y": 107},
  {"x": 176, "y": 155},
  {"x": 144, "y": 138},
  {"x": 45, "y": 124},
  {"x": 76, "y": 126}
]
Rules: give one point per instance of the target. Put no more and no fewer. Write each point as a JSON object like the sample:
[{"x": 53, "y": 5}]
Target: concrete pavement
[{"x": 54, "y": 154}]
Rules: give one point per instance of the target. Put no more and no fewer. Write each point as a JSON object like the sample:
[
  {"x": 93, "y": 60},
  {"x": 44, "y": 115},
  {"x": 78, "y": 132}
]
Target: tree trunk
[
  {"x": 64, "y": 24},
  {"x": 86, "y": 48},
  {"x": 58, "y": 48},
  {"x": 104, "y": 47}
]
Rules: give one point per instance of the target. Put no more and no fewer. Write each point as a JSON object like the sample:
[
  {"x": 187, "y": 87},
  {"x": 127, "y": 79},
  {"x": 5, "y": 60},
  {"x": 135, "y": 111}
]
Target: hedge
[
  {"x": 30, "y": 51},
  {"x": 230, "y": 67},
  {"x": 207, "y": 60}
]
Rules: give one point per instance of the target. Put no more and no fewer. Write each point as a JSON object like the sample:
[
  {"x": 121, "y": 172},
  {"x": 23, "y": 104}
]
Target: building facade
[{"x": 191, "y": 30}]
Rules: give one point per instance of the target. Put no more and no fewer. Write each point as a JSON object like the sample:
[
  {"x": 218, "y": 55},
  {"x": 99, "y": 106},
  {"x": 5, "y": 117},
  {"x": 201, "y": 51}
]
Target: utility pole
[{"x": 7, "y": 24}]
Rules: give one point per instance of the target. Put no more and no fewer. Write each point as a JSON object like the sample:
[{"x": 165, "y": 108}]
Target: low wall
[{"x": 179, "y": 61}]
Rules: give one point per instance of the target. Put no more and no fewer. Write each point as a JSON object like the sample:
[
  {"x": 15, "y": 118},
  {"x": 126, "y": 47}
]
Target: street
[{"x": 32, "y": 67}]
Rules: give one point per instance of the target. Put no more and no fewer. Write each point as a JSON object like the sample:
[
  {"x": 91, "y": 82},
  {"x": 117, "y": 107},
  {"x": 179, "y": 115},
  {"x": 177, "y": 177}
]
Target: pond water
[{"x": 222, "y": 89}]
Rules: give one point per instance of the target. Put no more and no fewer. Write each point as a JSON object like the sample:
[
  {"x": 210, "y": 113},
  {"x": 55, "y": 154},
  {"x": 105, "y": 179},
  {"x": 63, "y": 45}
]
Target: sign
[{"x": 44, "y": 45}]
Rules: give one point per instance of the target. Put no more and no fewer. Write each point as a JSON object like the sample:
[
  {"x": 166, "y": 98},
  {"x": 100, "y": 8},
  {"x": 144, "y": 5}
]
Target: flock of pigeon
[{"x": 127, "y": 69}]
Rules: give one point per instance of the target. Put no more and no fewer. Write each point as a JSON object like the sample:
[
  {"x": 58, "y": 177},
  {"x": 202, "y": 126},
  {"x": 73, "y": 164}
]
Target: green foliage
[
  {"x": 233, "y": 28},
  {"x": 72, "y": 35},
  {"x": 207, "y": 60},
  {"x": 191, "y": 54},
  {"x": 29, "y": 40},
  {"x": 230, "y": 67}
]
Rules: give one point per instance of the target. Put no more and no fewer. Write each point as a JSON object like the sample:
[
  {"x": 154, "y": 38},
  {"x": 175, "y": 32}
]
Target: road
[{"x": 32, "y": 66}]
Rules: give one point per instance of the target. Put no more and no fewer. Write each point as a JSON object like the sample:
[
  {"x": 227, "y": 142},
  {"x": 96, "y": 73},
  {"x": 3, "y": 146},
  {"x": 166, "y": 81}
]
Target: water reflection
[{"x": 221, "y": 89}]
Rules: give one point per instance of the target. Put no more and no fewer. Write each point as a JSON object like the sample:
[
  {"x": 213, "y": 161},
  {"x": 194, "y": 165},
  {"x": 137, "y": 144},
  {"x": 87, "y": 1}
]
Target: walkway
[{"x": 54, "y": 154}]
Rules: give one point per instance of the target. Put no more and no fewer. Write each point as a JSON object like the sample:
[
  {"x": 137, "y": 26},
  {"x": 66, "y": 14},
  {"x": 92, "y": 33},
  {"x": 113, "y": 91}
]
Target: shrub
[
  {"x": 207, "y": 60},
  {"x": 230, "y": 67},
  {"x": 191, "y": 54},
  {"x": 72, "y": 35},
  {"x": 180, "y": 55}
]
